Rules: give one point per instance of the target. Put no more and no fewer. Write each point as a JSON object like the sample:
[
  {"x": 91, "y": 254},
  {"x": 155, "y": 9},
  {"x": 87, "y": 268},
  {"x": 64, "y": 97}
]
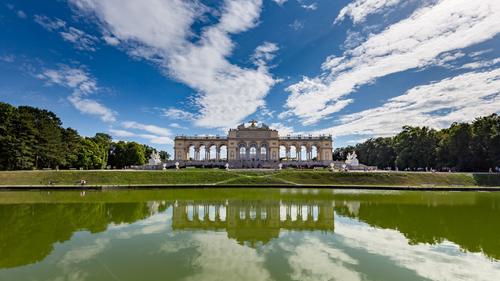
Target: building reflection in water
[{"x": 253, "y": 221}]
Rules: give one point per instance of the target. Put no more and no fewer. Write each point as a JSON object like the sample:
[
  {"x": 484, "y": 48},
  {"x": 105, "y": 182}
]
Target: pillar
[{"x": 196, "y": 153}]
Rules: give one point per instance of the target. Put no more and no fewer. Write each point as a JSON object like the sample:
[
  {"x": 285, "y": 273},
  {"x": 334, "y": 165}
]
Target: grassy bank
[{"x": 221, "y": 177}]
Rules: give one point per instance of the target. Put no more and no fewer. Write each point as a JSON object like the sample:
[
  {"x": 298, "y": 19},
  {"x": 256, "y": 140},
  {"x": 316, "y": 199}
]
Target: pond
[{"x": 249, "y": 234}]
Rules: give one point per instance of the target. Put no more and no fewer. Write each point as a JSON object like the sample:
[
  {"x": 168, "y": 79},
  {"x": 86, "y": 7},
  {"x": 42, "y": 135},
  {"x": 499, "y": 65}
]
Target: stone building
[{"x": 254, "y": 146}]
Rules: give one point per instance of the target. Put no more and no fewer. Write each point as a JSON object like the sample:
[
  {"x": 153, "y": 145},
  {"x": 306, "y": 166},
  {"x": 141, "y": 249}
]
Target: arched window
[
  {"x": 243, "y": 152},
  {"x": 223, "y": 152},
  {"x": 263, "y": 153},
  {"x": 314, "y": 153},
  {"x": 253, "y": 152}
]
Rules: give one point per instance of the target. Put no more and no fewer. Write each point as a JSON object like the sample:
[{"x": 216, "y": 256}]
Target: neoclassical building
[{"x": 253, "y": 143}]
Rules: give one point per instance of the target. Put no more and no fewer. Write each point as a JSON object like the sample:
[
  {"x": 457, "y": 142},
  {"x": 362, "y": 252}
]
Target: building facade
[{"x": 253, "y": 143}]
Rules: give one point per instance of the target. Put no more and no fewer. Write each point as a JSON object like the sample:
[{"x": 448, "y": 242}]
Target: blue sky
[{"x": 152, "y": 69}]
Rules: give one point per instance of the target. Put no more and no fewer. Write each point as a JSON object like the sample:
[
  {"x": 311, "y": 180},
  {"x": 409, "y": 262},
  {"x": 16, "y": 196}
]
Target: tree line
[
  {"x": 32, "y": 138},
  {"x": 471, "y": 146}
]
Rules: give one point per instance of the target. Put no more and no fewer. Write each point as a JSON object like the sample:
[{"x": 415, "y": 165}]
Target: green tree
[
  {"x": 89, "y": 155},
  {"x": 485, "y": 146},
  {"x": 104, "y": 142},
  {"x": 377, "y": 152},
  {"x": 72, "y": 141},
  {"x": 415, "y": 147}
]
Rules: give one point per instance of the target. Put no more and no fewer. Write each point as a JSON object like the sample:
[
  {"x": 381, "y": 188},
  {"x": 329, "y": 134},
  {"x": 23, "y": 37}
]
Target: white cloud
[
  {"x": 414, "y": 42},
  {"x": 264, "y": 53},
  {"x": 92, "y": 107},
  {"x": 359, "y": 10},
  {"x": 8, "y": 58},
  {"x": 177, "y": 126},
  {"x": 280, "y": 2},
  {"x": 148, "y": 128},
  {"x": 110, "y": 40},
  {"x": 82, "y": 84},
  {"x": 311, "y": 7},
  {"x": 315, "y": 260},
  {"x": 458, "y": 99},
  {"x": 443, "y": 261},
  {"x": 80, "y": 39},
  {"x": 121, "y": 133},
  {"x": 50, "y": 24},
  {"x": 21, "y": 14},
  {"x": 244, "y": 263},
  {"x": 161, "y": 32},
  {"x": 296, "y": 25},
  {"x": 282, "y": 129},
  {"x": 481, "y": 64},
  {"x": 154, "y": 134},
  {"x": 179, "y": 114}
]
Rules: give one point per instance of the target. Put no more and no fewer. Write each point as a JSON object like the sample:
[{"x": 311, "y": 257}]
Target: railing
[
  {"x": 307, "y": 137},
  {"x": 183, "y": 137}
]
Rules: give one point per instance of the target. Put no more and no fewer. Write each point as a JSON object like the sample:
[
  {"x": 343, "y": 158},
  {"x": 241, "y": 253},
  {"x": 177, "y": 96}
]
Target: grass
[{"x": 242, "y": 177}]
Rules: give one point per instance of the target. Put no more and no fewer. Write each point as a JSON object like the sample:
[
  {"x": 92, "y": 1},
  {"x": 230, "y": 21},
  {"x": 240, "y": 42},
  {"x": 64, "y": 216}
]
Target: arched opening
[
  {"x": 303, "y": 153},
  {"x": 282, "y": 152},
  {"x": 213, "y": 152},
  {"x": 263, "y": 152},
  {"x": 243, "y": 153},
  {"x": 293, "y": 152},
  {"x": 314, "y": 153},
  {"x": 191, "y": 153},
  {"x": 203, "y": 152},
  {"x": 223, "y": 152},
  {"x": 253, "y": 153}
]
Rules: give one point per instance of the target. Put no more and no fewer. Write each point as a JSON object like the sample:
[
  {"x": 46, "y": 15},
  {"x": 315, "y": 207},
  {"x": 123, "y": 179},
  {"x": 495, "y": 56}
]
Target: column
[
  {"x": 287, "y": 149},
  {"x": 196, "y": 153}
]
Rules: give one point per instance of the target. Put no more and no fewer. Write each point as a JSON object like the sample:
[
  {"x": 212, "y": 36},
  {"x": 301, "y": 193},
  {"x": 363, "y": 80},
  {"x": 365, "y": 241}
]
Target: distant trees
[
  {"x": 461, "y": 147},
  {"x": 32, "y": 138}
]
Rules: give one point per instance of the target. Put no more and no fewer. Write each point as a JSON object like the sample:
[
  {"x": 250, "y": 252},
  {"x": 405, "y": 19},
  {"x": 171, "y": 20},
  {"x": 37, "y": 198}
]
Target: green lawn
[{"x": 241, "y": 177}]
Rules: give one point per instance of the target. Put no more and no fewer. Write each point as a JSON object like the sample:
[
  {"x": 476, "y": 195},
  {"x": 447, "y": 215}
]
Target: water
[{"x": 249, "y": 234}]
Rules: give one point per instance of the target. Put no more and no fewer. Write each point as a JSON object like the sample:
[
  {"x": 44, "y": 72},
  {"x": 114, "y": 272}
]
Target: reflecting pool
[{"x": 249, "y": 234}]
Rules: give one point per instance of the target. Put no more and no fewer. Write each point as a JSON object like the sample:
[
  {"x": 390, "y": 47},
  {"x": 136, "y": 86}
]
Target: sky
[{"x": 149, "y": 70}]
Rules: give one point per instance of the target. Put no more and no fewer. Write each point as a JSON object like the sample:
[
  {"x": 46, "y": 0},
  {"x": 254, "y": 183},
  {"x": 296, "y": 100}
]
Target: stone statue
[
  {"x": 352, "y": 159},
  {"x": 177, "y": 165},
  {"x": 154, "y": 158},
  {"x": 227, "y": 166}
]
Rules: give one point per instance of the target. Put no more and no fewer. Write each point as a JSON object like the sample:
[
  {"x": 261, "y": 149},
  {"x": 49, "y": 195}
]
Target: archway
[
  {"x": 293, "y": 152},
  {"x": 242, "y": 153},
  {"x": 223, "y": 152},
  {"x": 213, "y": 152},
  {"x": 202, "y": 153},
  {"x": 263, "y": 152},
  {"x": 282, "y": 152},
  {"x": 314, "y": 153},
  {"x": 191, "y": 152},
  {"x": 253, "y": 153},
  {"x": 303, "y": 153}
]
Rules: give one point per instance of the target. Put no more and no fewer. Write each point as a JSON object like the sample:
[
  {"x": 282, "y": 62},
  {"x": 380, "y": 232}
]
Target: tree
[
  {"x": 377, "y": 152},
  {"x": 340, "y": 154},
  {"x": 454, "y": 147},
  {"x": 125, "y": 154},
  {"x": 104, "y": 142},
  {"x": 89, "y": 155},
  {"x": 164, "y": 156},
  {"x": 415, "y": 147},
  {"x": 485, "y": 146},
  {"x": 72, "y": 142}
]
